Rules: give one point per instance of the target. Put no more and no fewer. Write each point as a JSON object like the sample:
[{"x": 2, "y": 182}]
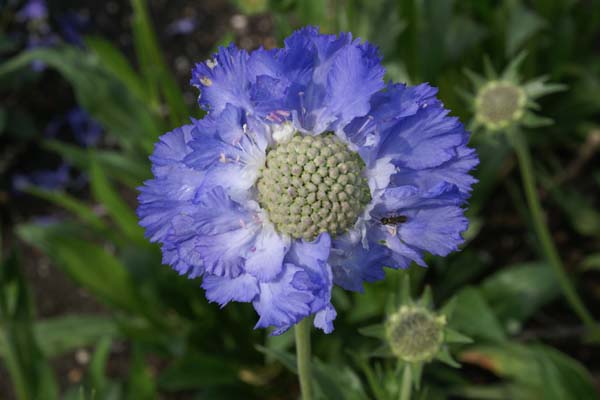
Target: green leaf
[
  {"x": 539, "y": 87},
  {"x": 29, "y": 369},
  {"x": 251, "y": 7},
  {"x": 96, "y": 375},
  {"x": 463, "y": 34},
  {"x": 551, "y": 373},
  {"x": 156, "y": 74},
  {"x": 453, "y": 336},
  {"x": 517, "y": 292},
  {"x": 141, "y": 383},
  {"x": 374, "y": 331},
  {"x": 196, "y": 371},
  {"x": 474, "y": 317},
  {"x": 591, "y": 262},
  {"x": 562, "y": 377},
  {"x": 102, "y": 95},
  {"x": 60, "y": 335},
  {"x": 69, "y": 203},
  {"x": 114, "y": 61},
  {"x": 445, "y": 357},
  {"x": 522, "y": 25},
  {"x": 86, "y": 263},
  {"x": 332, "y": 381},
  {"x": 583, "y": 215},
  {"x": 121, "y": 213},
  {"x": 116, "y": 165}
]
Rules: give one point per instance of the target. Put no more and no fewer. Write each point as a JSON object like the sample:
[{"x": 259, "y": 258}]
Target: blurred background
[{"x": 87, "y": 311}]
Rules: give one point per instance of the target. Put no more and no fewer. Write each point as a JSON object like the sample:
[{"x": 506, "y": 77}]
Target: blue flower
[
  {"x": 182, "y": 26},
  {"x": 86, "y": 131},
  {"x": 45, "y": 179},
  {"x": 308, "y": 171},
  {"x": 33, "y": 10}
]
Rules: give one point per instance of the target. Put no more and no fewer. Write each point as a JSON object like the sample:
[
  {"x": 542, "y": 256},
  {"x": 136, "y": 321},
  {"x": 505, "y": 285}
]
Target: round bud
[{"x": 415, "y": 333}]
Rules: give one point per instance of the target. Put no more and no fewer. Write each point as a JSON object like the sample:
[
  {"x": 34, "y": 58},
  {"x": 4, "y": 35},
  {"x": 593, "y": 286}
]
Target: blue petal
[
  {"x": 398, "y": 101},
  {"x": 303, "y": 288},
  {"x": 436, "y": 230},
  {"x": 224, "y": 80},
  {"x": 223, "y": 232},
  {"x": 280, "y": 304},
  {"x": 456, "y": 172},
  {"x": 424, "y": 140},
  {"x": 336, "y": 85},
  {"x": 265, "y": 258},
  {"x": 171, "y": 192},
  {"x": 324, "y": 319},
  {"x": 231, "y": 148},
  {"x": 352, "y": 264},
  {"x": 222, "y": 290}
]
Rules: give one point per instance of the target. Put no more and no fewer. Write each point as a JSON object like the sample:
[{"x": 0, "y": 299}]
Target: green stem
[
  {"x": 302, "y": 331},
  {"x": 14, "y": 368},
  {"x": 406, "y": 383},
  {"x": 541, "y": 229}
]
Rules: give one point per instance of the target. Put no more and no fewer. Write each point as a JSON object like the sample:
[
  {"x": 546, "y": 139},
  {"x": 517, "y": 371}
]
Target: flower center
[
  {"x": 415, "y": 334},
  {"x": 313, "y": 184},
  {"x": 499, "y": 103}
]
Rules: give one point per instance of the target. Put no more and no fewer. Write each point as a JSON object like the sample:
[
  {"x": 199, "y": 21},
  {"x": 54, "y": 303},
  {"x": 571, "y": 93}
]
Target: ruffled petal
[
  {"x": 280, "y": 304},
  {"x": 231, "y": 149},
  {"x": 436, "y": 230},
  {"x": 170, "y": 195},
  {"x": 336, "y": 85},
  {"x": 223, "y": 80},
  {"x": 222, "y": 290},
  {"x": 223, "y": 231},
  {"x": 425, "y": 140},
  {"x": 324, "y": 319},
  {"x": 265, "y": 259},
  {"x": 397, "y": 102},
  {"x": 352, "y": 264},
  {"x": 303, "y": 288}
]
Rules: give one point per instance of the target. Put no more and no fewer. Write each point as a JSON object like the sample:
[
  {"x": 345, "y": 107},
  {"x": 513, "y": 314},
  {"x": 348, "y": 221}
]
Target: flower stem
[
  {"x": 302, "y": 331},
  {"x": 406, "y": 383},
  {"x": 541, "y": 229}
]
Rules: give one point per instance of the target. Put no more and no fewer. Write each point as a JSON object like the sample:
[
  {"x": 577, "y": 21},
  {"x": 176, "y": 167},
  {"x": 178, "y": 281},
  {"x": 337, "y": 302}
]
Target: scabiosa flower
[
  {"x": 307, "y": 171},
  {"x": 502, "y": 101},
  {"x": 415, "y": 334}
]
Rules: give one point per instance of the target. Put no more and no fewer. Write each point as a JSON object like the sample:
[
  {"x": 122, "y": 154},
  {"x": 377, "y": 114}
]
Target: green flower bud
[{"x": 415, "y": 334}]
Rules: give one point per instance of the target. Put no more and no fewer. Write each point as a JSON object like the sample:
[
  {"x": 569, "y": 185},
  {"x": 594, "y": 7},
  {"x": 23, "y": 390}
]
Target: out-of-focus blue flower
[
  {"x": 183, "y": 26},
  {"x": 45, "y": 179},
  {"x": 307, "y": 171},
  {"x": 86, "y": 131},
  {"x": 33, "y": 10},
  {"x": 35, "y": 41},
  {"x": 72, "y": 25}
]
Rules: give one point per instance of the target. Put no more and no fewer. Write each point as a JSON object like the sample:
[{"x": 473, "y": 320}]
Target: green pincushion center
[
  {"x": 501, "y": 102},
  {"x": 313, "y": 184},
  {"x": 415, "y": 334}
]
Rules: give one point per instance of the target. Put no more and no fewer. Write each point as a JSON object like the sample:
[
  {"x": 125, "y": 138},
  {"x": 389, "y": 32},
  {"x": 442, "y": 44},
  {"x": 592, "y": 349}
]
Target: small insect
[{"x": 393, "y": 220}]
